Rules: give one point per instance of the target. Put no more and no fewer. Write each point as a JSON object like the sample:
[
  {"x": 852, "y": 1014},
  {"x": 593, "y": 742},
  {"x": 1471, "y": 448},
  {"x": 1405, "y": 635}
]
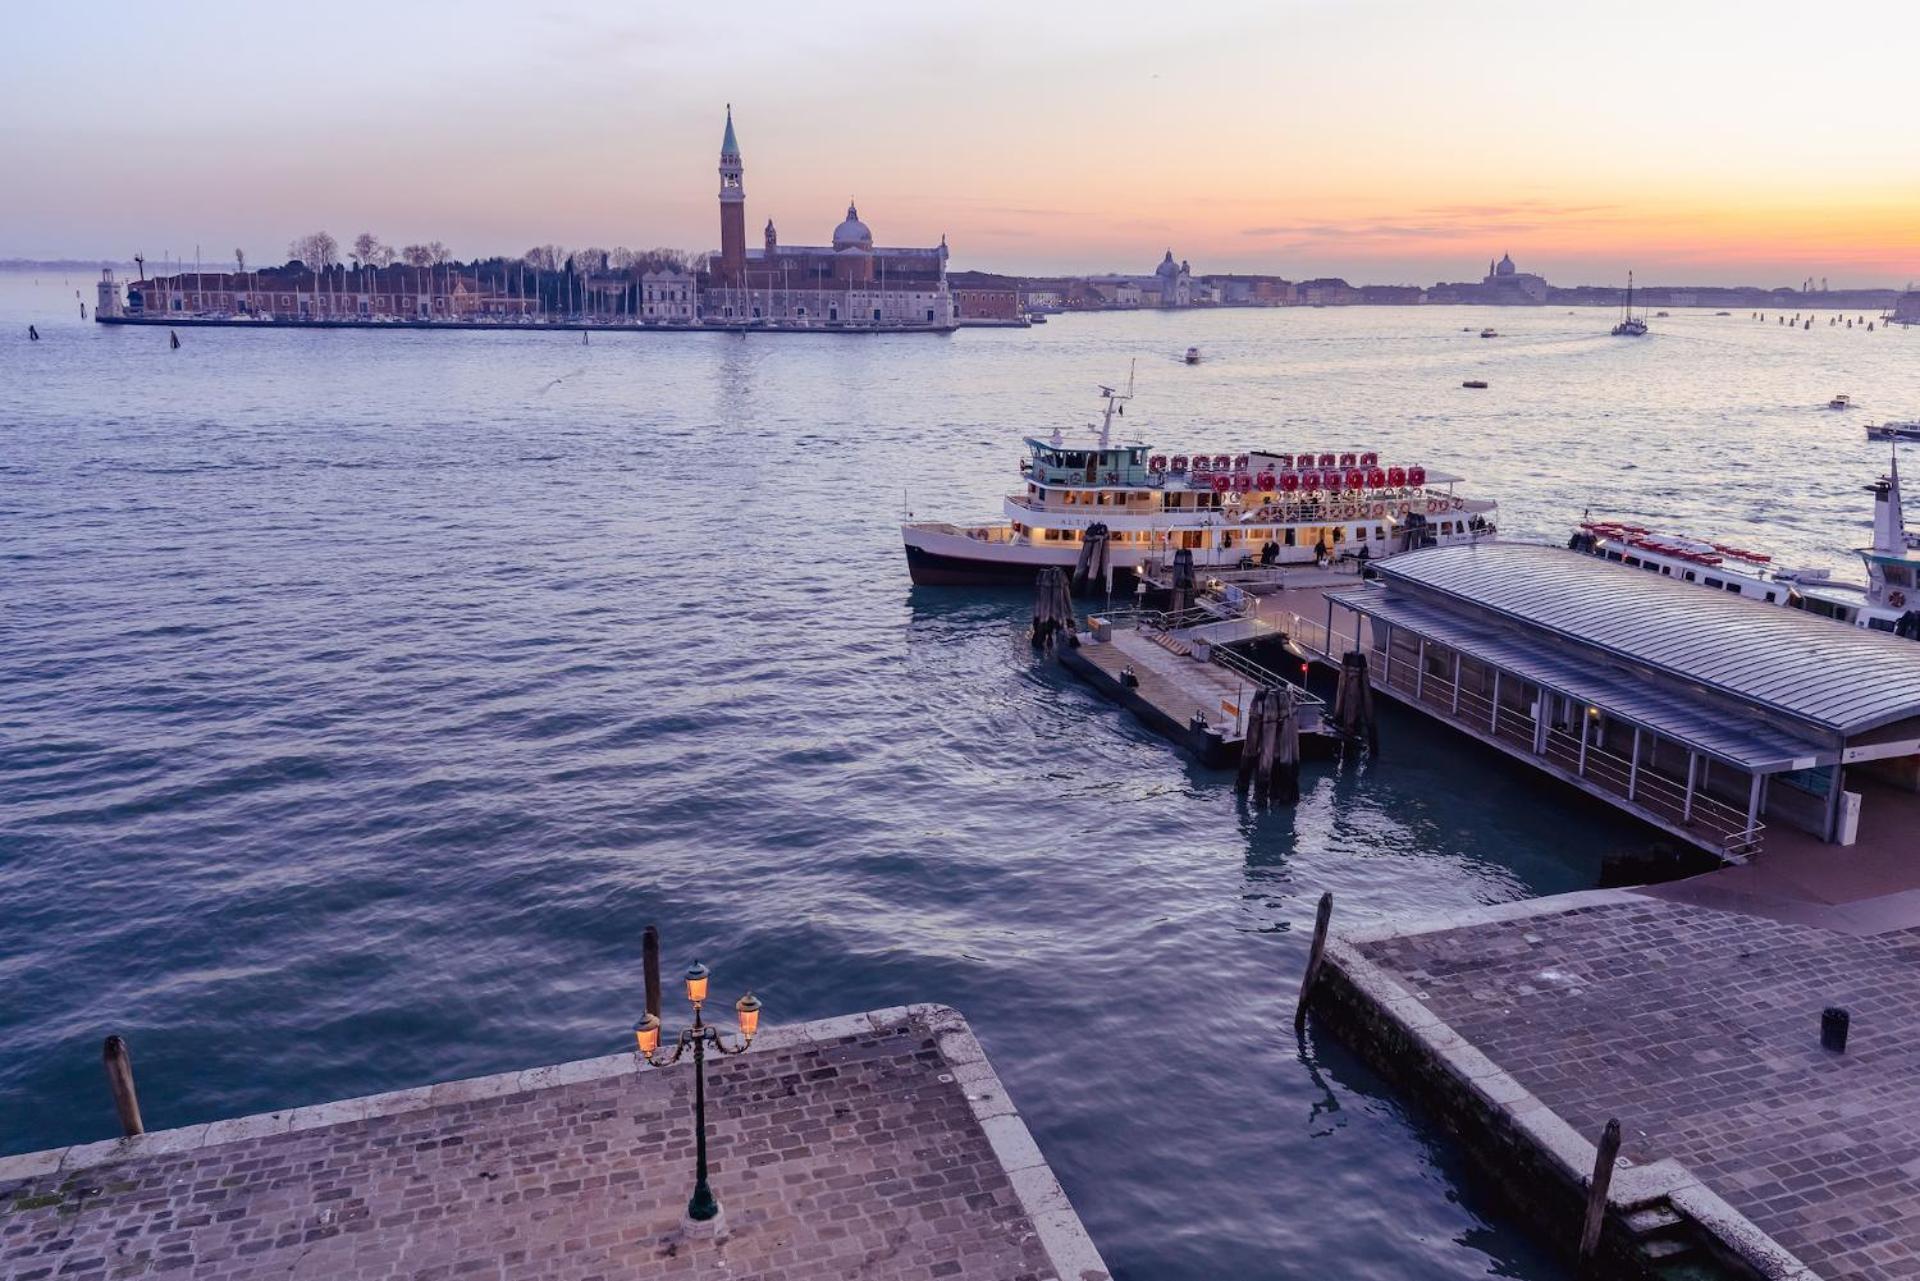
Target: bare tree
[
  {"x": 621, "y": 258},
  {"x": 438, "y": 253},
  {"x": 240, "y": 261},
  {"x": 316, "y": 251},
  {"x": 417, "y": 256},
  {"x": 366, "y": 249},
  {"x": 589, "y": 261}
]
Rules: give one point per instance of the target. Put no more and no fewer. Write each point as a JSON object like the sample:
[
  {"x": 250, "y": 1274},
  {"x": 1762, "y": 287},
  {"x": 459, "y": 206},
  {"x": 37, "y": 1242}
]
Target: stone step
[
  {"x": 1667, "y": 1250},
  {"x": 1651, "y": 1219}
]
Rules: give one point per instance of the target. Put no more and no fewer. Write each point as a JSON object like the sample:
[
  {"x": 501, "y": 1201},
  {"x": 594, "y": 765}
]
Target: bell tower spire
[{"x": 733, "y": 208}]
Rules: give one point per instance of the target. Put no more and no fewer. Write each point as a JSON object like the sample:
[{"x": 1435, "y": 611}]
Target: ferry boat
[
  {"x": 1193, "y": 355},
  {"x": 1235, "y": 508},
  {"x": 1842, "y": 401},
  {"x": 1895, "y": 431},
  {"x": 1889, "y": 601}
]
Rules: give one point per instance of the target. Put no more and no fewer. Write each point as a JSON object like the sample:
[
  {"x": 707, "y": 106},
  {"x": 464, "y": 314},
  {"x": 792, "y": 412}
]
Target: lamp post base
[{"x": 704, "y": 1229}]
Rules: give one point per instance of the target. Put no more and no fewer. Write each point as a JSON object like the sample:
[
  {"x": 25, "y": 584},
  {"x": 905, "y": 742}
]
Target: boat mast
[{"x": 1114, "y": 398}]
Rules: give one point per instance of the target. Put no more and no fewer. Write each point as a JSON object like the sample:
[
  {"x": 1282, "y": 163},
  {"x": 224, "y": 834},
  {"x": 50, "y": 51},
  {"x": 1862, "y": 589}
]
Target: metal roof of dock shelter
[{"x": 1839, "y": 678}]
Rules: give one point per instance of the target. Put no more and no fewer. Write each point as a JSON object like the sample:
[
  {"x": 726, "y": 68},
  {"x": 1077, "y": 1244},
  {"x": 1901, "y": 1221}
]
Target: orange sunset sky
[{"x": 1386, "y": 142}]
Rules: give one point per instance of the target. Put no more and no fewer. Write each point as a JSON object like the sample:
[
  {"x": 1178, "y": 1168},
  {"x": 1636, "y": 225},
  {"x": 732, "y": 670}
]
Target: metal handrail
[
  {"x": 1244, "y": 666},
  {"x": 1652, "y": 791}
]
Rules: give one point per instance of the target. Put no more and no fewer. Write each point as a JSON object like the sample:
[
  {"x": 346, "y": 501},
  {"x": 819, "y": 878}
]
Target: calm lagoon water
[{"x": 362, "y": 695}]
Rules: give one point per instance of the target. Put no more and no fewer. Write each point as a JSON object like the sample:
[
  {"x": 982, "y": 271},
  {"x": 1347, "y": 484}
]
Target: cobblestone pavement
[
  {"x": 1700, "y": 1030},
  {"x": 879, "y": 1152}
]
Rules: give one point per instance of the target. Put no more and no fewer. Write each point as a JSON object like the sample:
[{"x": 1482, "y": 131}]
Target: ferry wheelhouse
[
  {"x": 1231, "y": 509},
  {"x": 1889, "y": 601}
]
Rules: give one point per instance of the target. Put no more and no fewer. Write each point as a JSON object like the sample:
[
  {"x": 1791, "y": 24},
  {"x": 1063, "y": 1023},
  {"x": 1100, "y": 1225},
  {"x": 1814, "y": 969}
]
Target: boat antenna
[{"x": 1114, "y": 399}]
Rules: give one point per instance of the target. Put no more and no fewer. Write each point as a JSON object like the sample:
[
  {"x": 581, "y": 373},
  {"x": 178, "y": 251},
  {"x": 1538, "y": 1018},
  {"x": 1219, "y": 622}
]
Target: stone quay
[
  {"x": 878, "y": 1145},
  {"x": 1749, "y": 1148}
]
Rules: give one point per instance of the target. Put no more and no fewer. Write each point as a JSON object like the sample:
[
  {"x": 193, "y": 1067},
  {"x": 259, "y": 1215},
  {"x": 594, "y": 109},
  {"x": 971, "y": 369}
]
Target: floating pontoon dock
[
  {"x": 1722, "y": 721},
  {"x": 1179, "y": 675}
]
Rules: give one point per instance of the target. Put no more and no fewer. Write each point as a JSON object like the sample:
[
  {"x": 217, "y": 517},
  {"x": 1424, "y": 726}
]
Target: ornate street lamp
[{"x": 646, "y": 1035}]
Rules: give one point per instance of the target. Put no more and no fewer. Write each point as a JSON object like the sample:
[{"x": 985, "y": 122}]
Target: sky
[{"x": 1387, "y": 142}]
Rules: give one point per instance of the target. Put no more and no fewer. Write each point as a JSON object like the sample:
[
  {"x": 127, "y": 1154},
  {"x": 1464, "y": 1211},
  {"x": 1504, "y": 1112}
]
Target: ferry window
[
  {"x": 1289, "y": 534},
  {"x": 1735, "y": 587},
  {"x": 1689, "y": 575},
  {"x": 1880, "y": 624},
  {"x": 1714, "y": 582},
  {"x": 1898, "y": 575},
  {"x": 1633, "y": 560},
  {"x": 1769, "y": 598},
  {"x": 1339, "y": 533},
  {"x": 1380, "y": 533},
  {"x": 1613, "y": 556}
]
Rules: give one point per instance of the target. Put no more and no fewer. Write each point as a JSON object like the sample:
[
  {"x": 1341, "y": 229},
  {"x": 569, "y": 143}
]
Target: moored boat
[
  {"x": 1895, "y": 431},
  {"x": 1236, "y": 508},
  {"x": 1889, "y": 601}
]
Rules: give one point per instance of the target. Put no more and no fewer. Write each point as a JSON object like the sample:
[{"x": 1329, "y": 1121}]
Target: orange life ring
[
  {"x": 1433, "y": 505},
  {"x": 1379, "y": 510},
  {"x": 1897, "y": 598}
]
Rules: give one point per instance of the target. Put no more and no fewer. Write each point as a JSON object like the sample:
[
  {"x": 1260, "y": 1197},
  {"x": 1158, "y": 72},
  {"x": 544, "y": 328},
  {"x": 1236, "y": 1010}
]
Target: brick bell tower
[{"x": 733, "y": 210}]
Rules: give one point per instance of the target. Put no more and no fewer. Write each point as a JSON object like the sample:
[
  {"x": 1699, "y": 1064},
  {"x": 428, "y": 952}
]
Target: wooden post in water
[
  {"x": 119, "y": 1061},
  {"x": 650, "y": 960},
  {"x": 1603, "y": 1159},
  {"x": 1321, "y": 918}
]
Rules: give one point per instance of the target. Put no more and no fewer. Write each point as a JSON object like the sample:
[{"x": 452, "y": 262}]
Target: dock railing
[{"x": 1641, "y": 787}]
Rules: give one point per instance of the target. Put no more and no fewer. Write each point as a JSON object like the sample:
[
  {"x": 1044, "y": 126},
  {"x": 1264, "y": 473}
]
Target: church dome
[
  {"x": 1506, "y": 267},
  {"x": 852, "y": 234},
  {"x": 1167, "y": 267}
]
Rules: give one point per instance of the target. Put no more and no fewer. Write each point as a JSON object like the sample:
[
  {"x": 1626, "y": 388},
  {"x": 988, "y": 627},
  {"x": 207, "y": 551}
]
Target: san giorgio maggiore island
[{"x": 849, "y": 285}]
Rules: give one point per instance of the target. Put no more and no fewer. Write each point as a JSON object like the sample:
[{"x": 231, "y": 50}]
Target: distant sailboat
[{"x": 1629, "y": 327}]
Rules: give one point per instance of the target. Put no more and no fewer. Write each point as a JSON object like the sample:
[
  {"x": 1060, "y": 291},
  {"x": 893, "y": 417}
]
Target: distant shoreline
[{"x": 494, "y": 326}]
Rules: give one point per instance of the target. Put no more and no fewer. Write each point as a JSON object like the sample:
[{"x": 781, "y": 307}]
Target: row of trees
[{"x": 319, "y": 252}]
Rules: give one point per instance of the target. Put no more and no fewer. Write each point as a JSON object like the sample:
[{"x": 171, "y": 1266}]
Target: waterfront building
[
  {"x": 849, "y": 282},
  {"x": 669, "y": 297},
  {"x": 1509, "y": 284},
  {"x": 1731, "y": 724},
  {"x": 1169, "y": 285}
]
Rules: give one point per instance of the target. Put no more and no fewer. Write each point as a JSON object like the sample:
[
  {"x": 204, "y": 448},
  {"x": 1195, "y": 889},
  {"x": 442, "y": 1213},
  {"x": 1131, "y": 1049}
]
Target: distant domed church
[
  {"x": 848, "y": 283},
  {"x": 1509, "y": 280}
]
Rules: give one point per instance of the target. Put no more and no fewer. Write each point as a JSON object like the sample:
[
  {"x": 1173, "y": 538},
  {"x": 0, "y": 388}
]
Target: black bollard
[{"x": 1833, "y": 1029}]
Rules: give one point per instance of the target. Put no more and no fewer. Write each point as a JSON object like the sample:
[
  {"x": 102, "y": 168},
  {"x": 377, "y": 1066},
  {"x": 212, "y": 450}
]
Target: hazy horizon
[{"x": 1708, "y": 144}]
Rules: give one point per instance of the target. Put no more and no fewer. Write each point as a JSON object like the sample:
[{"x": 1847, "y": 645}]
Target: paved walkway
[
  {"x": 877, "y": 1146},
  {"x": 1699, "y": 1029}
]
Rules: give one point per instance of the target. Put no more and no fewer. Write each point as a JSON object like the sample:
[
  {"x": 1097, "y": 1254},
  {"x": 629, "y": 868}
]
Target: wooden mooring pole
[
  {"x": 650, "y": 958},
  {"x": 1321, "y": 918},
  {"x": 119, "y": 1061},
  {"x": 1603, "y": 1159}
]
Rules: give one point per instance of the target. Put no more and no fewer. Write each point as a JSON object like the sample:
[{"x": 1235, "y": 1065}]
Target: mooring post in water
[
  {"x": 119, "y": 1061},
  {"x": 1833, "y": 1029},
  {"x": 650, "y": 961},
  {"x": 1603, "y": 1159},
  {"x": 1321, "y": 919}
]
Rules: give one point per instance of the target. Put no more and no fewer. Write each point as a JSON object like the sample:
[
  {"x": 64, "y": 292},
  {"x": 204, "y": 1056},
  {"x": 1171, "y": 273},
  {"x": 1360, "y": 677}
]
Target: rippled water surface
[{"x": 363, "y": 694}]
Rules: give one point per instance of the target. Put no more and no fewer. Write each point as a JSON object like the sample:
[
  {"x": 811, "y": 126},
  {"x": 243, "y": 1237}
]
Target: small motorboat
[
  {"x": 1489, "y": 333},
  {"x": 1895, "y": 431},
  {"x": 1193, "y": 355},
  {"x": 1842, "y": 401},
  {"x": 1478, "y": 384}
]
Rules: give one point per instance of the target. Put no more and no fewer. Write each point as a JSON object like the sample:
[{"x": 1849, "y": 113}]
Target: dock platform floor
[
  {"x": 1699, "y": 1028},
  {"x": 880, "y": 1146},
  {"x": 1175, "y": 684}
]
